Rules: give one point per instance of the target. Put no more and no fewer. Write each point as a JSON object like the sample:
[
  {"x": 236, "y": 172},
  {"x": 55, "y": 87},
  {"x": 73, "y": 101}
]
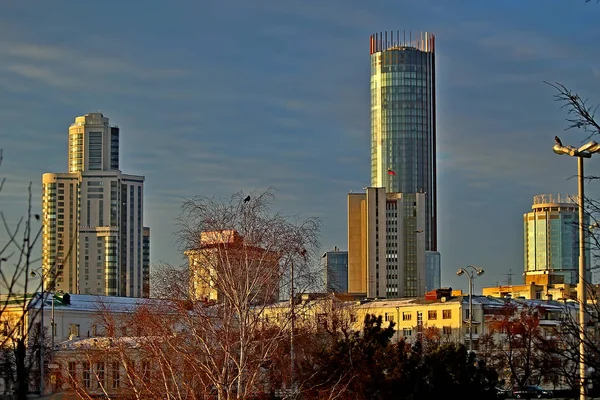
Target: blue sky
[{"x": 214, "y": 97}]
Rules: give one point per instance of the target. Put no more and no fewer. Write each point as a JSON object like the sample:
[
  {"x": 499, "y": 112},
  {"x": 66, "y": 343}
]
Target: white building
[{"x": 93, "y": 234}]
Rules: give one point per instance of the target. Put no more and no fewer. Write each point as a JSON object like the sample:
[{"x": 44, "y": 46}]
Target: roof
[{"x": 85, "y": 302}]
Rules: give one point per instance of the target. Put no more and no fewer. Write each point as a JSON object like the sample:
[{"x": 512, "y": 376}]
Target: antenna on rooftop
[{"x": 509, "y": 276}]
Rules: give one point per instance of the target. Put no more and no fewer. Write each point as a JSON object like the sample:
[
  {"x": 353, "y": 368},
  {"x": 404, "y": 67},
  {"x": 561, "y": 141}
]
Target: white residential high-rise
[{"x": 93, "y": 233}]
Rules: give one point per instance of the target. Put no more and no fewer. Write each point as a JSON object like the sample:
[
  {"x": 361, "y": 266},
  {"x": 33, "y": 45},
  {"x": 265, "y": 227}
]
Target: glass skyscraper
[
  {"x": 403, "y": 135},
  {"x": 552, "y": 241}
]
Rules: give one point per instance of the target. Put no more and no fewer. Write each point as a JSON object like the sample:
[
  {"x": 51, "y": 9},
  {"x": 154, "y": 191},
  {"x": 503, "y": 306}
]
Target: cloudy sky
[{"x": 215, "y": 97}]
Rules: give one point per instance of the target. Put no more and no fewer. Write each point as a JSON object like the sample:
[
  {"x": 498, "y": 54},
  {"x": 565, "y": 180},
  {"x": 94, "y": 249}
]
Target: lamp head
[
  {"x": 591, "y": 147},
  {"x": 560, "y": 149},
  {"x": 32, "y": 274},
  {"x": 460, "y": 272},
  {"x": 480, "y": 272}
]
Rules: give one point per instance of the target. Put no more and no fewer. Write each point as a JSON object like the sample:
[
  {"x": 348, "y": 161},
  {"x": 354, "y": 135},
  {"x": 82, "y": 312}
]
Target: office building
[
  {"x": 386, "y": 245},
  {"x": 403, "y": 119},
  {"x": 551, "y": 241},
  {"x": 93, "y": 236},
  {"x": 433, "y": 273},
  {"x": 335, "y": 267}
]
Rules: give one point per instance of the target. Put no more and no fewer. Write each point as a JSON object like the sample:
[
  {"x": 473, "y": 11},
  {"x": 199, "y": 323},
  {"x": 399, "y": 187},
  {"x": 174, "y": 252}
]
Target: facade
[
  {"x": 551, "y": 241},
  {"x": 92, "y": 237},
  {"x": 386, "y": 247},
  {"x": 403, "y": 119},
  {"x": 335, "y": 267},
  {"x": 71, "y": 320},
  {"x": 433, "y": 273},
  {"x": 536, "y": 291},
  {"x": 224, "y": 258}
]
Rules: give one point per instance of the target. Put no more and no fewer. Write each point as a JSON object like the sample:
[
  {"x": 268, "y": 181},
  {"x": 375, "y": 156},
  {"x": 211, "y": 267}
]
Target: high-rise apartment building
[
  {"x": 93, "y": 238},
  {"x": 551, "y": 241},
  {"x": 335, "y": 267},
  {"x": 403, "y": 119},
  {"x": 386, "y": 245}
]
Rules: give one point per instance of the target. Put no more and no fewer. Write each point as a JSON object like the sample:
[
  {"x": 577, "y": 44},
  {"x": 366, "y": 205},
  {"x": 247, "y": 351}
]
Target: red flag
[{"x": 390, "y": 172}]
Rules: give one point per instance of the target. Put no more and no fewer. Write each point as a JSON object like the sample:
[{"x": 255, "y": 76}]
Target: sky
[{"x": 217, "y": 97}]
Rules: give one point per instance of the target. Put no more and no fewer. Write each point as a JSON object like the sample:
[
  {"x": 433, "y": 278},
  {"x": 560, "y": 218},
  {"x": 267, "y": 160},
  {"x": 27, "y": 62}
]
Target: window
[
  {"x": 406, "y": 316},
  {"x": 116, "y": 377},
  {"x": 407, "y": 332},
  {"x": 389, "y": 317},
  {"x": 71, "y": 368},
  {"x": 432, "y": 314},
  {"x": 447, "y": 330},
  {"x": 87, "y": 381},
  {"x": 74, "y": 330},
  {"x": 100, "y": 374},
  {"x": 447, "y": 314}
]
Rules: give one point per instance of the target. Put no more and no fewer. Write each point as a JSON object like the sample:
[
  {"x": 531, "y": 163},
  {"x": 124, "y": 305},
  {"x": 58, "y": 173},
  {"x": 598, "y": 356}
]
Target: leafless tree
[
  {"x": 169, "y": 282},
  {"x": 518, "y": 347},
  {"x": 218, "y": 327},
  {"x": 21, "y": 337}
]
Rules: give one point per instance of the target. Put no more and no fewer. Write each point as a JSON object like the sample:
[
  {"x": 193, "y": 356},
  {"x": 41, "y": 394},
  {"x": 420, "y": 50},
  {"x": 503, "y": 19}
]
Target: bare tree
[
  {"x": 22, "y": 339},
  {"x": 170, "y": 282},
  {"x": 219, "y": 326},
  {"x": 518, "y": 345},
  {"x": 243, "y": 257}
]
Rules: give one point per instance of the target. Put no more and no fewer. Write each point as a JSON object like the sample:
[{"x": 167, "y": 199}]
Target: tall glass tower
[
  {"x": 551, "y": 241},
  {"x": 403, "y": 157}
]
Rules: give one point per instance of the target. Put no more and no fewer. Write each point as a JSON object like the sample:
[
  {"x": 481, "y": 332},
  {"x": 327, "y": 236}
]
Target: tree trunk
[{"x": 22, "y": 373}]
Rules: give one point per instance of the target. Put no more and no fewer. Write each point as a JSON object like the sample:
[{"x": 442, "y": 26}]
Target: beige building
[
  {"x": 386, "y": 247},
  {"x": 224, "y": 260},
  {"x": 93, "y": 238}
]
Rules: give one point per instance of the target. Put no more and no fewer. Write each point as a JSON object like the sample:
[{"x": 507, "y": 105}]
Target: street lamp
[
  {"x": 33, "y": 274},
  {"x": 584, "y": 151},
  {"x": 471, "y": 272}
]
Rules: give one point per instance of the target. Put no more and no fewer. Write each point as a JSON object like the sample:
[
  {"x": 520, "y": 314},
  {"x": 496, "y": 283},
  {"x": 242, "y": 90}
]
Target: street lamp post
[
  {"x": 584, "y": 151},
  {"x": 471, "y": 272},
  {"x": 36, "y": 272}
]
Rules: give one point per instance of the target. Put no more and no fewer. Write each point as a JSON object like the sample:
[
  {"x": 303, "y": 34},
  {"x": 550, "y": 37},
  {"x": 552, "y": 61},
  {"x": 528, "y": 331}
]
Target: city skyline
[{"x": 227, "y": 98}]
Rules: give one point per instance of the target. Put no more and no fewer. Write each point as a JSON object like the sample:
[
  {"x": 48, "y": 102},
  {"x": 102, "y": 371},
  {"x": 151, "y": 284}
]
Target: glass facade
[
  {"x": 335, "y": 265},
  {"x": 551, "y": 239},
  {"x": 403, "y": 120},
  {"x": 433, "y": 272}
]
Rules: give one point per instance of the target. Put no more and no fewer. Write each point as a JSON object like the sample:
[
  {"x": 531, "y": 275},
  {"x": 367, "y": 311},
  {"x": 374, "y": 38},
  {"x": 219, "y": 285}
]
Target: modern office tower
[
  {"x": 433, "y": 274},
  {"x": 386, "y": 247},
  {"x": 552, "y": 241},
  {"x": 335, "y": 267},
  {"x": 92, "y": 237},
  {"x": 223, "y": 259},
  {"x": 403, "y": 125}
]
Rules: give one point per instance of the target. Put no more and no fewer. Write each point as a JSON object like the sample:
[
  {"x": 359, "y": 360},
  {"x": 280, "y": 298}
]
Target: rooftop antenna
[{"x": 509, "y": 276}]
